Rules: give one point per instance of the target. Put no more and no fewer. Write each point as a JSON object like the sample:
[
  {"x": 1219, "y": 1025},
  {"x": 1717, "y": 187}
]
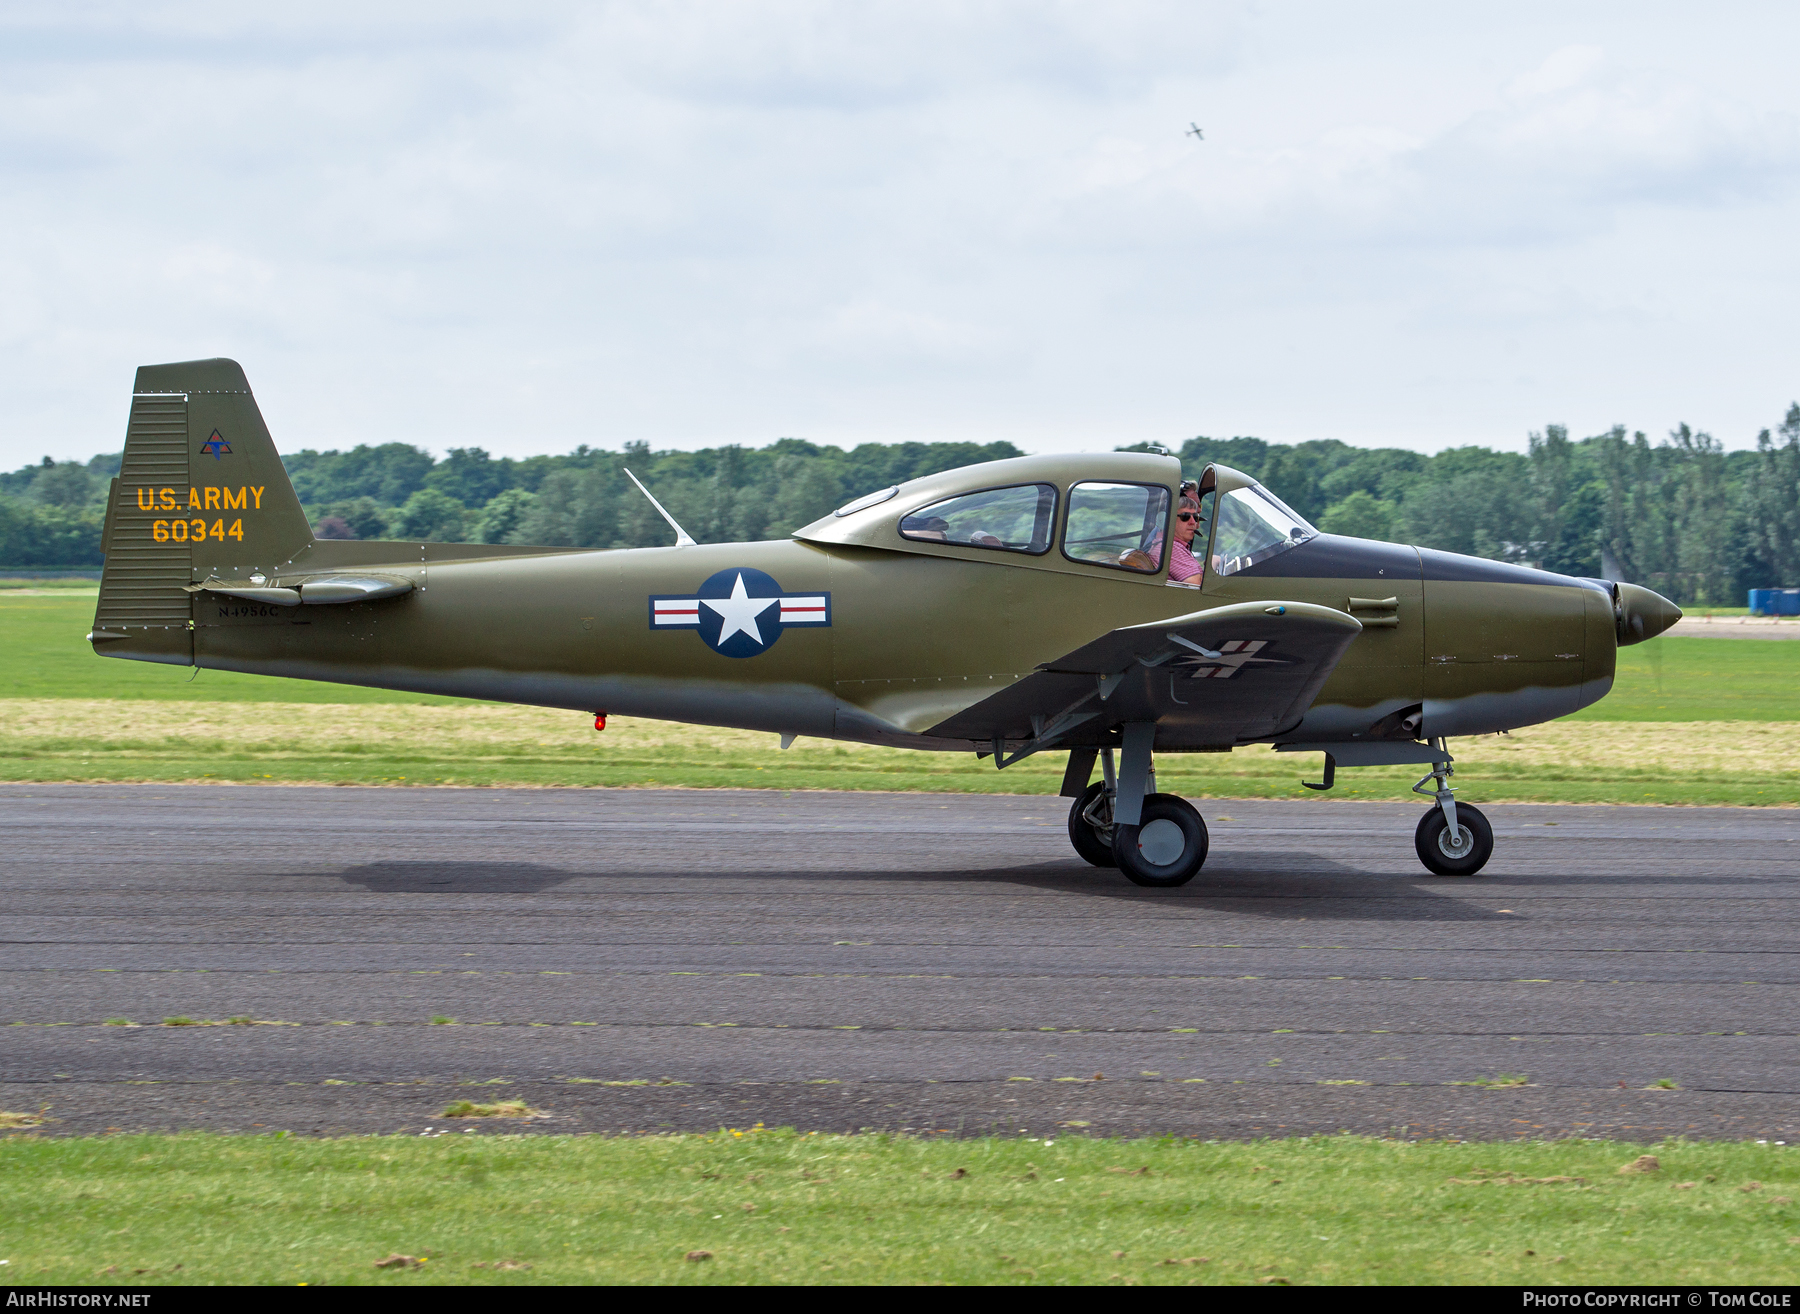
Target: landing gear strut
[
  {"x": 1452, "y": 839},
  {"x": 1090, "y": 825},
  {"x": 1156, "y": 840}
]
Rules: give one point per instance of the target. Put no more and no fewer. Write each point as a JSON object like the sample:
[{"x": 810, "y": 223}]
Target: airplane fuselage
[{"x": 1476, "y": 646}]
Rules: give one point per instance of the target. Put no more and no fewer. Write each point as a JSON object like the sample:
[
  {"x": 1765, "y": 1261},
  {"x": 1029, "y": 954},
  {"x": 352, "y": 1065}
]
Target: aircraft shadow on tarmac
[
  {"x": 1312, "y": 889},
  {"x": 456, "y": 877},
  {"x": 1290, "y": 887}
]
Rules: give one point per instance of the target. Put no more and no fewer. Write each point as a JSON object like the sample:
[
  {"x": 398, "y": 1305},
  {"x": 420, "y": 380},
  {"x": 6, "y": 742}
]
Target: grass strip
[
  {"x": 486, "y": 744},
  {"x": 1683, "y": 679},
  {"x": 1690, "y": 721},
  {"x": 770, "y": 1206},
  {"x": 45, "y": 655}
]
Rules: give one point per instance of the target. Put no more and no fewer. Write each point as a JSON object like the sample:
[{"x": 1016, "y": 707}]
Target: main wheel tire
[
  {"x": 1167, "y": 846},
  {"x": 1463, "y": 858},
  {"x": 1091, "y": 844}
]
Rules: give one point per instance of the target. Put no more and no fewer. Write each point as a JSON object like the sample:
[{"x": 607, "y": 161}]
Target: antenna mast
[{"x": 681, "y": 535}]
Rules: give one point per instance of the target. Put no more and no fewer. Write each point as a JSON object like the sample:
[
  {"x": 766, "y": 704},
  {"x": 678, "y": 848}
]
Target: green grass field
[
  {"x": 775, "y": 1207},
  {"x": 1703, "y": 680},
  {"x": 43, "y": 655},
  {"x": 1690, "y": 721}
]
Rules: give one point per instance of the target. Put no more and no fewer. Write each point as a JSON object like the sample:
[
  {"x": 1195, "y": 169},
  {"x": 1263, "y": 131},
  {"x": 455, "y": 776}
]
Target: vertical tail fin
[{"x": 201, "y": 494}]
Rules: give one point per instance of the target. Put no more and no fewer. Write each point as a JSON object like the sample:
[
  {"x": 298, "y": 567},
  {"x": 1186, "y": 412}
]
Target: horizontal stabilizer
[
  {"x": 320, "y": 591},
  {"x": 252, "y": 593},
  {"x": 352, "y": 588}
]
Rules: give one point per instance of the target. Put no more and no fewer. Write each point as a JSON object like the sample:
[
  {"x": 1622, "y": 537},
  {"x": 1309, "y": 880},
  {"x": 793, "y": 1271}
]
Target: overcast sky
[{"x": 526, "y": 227}]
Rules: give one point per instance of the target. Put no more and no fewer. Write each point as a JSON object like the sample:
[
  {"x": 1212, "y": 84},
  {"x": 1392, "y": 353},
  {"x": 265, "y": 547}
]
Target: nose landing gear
[{"x": 1451, "y": 839}]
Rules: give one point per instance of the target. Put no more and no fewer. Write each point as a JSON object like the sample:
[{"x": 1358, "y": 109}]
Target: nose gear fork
[
  {"x": 1458, "y": 840},
  {"x": 1450, "y": 840}
]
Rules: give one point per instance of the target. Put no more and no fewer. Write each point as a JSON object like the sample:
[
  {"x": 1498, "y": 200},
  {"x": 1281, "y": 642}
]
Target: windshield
[{"x": 1254, "y": 525}]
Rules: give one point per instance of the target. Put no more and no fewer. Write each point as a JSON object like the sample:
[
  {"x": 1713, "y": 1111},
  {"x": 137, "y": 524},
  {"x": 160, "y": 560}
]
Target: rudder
[{"x": 201, "y": 494}]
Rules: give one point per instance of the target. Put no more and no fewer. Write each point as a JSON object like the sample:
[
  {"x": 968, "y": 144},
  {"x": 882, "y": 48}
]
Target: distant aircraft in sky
[{"x": 1194, "y": 131}]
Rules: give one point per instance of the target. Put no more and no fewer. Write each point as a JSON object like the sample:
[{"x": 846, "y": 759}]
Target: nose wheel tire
[
  {"x": 1167, "y": 846},
  {"x": 1463, "y": 854},
  {"x": 1091, "y": 842}
]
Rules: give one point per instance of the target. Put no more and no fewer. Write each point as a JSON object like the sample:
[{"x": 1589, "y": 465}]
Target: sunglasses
[{"x": 1186, "y": 515}]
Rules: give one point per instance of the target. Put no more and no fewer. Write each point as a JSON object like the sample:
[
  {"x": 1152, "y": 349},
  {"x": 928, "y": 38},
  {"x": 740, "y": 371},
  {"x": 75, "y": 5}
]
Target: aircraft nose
[{"x": 1643, "y": 614}]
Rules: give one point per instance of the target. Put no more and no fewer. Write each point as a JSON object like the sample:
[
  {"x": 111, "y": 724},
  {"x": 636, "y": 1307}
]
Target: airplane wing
[{"x": 1208, "y": 679}]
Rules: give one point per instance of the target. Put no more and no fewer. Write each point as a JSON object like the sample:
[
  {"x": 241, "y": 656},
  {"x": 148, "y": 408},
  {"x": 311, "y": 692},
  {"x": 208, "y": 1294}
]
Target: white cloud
[
  {"x": 1561, "y": 70},
  {"x": 727, "y": 222}
]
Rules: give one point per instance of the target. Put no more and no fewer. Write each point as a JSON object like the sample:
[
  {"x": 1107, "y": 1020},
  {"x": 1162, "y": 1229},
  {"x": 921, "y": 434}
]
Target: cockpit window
[
  {"x": 1255, "y": 525},
  {"x": 1001, "y": 519},
  {"x": 1117, "y": 525}
]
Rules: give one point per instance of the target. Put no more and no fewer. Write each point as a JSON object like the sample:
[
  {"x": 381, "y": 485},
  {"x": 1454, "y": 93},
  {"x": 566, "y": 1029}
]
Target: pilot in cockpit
[{"x": 1184, "y": 566}]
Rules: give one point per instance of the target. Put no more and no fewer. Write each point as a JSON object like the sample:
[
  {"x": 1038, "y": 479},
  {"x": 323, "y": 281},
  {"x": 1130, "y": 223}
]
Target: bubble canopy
[{"x": 1020, "y": 510}]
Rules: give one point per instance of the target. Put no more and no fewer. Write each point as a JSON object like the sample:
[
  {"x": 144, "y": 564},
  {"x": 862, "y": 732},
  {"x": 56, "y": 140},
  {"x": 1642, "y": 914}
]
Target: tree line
[{"x": 1680, "y": 515}]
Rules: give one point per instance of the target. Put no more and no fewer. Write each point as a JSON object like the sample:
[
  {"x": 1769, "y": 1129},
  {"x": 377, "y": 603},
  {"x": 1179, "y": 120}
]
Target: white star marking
[{"x": 739, "y": 612}]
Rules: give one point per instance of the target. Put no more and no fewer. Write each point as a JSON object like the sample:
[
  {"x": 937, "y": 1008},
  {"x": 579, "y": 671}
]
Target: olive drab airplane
[{"x": 1005, "y": 609}]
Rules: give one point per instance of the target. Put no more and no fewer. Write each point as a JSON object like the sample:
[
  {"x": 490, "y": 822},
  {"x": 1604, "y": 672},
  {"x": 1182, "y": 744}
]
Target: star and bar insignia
[
  {"x": 1232, "y": 658},
  {"x": 740, "y": 612}
]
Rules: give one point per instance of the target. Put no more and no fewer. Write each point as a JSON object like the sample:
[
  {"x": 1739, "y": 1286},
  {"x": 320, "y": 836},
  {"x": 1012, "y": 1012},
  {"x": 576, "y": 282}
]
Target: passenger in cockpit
[{"x": 934, "y": 529}]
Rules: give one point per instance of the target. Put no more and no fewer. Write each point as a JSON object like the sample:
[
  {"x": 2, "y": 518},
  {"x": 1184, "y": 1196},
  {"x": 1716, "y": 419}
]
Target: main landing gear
[
  {"x": 1159, "y": 840},
  {"x": 1155, "y": 840},
  {"x": 1453, "y": 839}
]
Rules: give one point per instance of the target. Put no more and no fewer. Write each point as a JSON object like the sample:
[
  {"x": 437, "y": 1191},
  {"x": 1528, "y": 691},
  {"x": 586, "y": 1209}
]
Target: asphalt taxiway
[{"x": 630, "y": 960}]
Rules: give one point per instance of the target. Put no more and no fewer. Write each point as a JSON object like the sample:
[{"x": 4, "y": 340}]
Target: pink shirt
[{"x": 1183, "y": 565}]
